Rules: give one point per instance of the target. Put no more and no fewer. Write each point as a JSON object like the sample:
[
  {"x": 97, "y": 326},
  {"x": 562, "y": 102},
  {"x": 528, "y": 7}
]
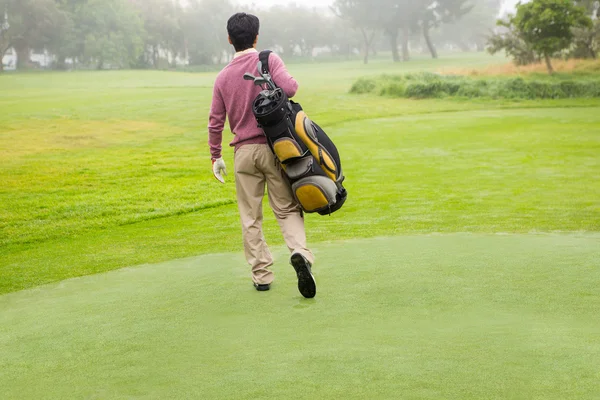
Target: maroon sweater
[{"x": 233, "y": 97}]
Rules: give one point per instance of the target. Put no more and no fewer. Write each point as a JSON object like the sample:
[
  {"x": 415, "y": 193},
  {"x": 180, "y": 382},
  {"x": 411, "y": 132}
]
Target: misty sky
[
  {"x": 269, "y": 3},
  {"x": 323, "y": 3},
  {"x": 510, "y": 4}
]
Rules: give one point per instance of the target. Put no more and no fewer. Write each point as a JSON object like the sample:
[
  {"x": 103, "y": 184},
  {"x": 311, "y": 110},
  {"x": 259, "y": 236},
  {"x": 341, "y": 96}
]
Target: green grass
[
  {"x": 416, "y": 317},
  {"x": 105, "y": 170},
  {"x": 464, "y": 265}
]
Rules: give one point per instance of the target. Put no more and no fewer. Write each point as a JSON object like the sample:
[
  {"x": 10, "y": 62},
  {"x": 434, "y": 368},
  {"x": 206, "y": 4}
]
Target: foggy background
[
  {"x": 507, "y": 7},
  {"x": 160, "y": 34}
]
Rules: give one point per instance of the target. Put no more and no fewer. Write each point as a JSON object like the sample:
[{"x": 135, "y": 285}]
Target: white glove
[{"x": 219, "y": 169}]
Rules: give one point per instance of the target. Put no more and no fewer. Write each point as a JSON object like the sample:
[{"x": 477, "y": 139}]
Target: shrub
[
  {"x": 422, "y": 86},
  {"x": 363, "y": 86}
]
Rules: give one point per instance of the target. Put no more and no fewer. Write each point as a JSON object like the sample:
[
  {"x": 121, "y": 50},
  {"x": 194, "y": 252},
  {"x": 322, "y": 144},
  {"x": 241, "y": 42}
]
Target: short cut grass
[{"x": 243, "y": 30}]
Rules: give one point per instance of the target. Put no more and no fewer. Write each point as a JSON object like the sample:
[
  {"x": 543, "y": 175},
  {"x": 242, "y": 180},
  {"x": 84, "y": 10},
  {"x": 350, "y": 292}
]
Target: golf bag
[{"x": 309, "y": 158}]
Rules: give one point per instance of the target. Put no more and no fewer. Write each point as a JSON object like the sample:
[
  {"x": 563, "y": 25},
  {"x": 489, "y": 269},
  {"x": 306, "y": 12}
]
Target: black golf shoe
[
  {"x": 306, "y": 281},
  {"x": 262, "y": 288}
]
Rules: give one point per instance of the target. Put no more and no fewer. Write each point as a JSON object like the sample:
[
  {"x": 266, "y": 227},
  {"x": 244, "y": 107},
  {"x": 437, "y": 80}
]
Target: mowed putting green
[{"x": 456, "y": 316}]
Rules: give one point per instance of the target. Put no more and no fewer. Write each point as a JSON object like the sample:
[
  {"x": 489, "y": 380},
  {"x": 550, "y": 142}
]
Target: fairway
[
  {"x": 429, "y": 317},
  {"x": 115, "y": 165},
  {"x": 465, "y": 264}
]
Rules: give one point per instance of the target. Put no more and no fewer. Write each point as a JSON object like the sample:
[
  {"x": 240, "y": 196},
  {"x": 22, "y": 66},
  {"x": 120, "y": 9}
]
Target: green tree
[
  {"x": 547, "y": 25},
  {"x": 389, "y": 16},
  {"x": 343, "y": 38},
  {"x": 364, "y": 16},
  {"x": 288, "y": 28},
  {"x": 473, "y": 29},
  {"x": 509, "y": 40},
  {"x": 65, "y": 43},
  {"x": 313, "y": 29},
  {"x": 401, "y": 16},
  {"x": 30, "y": 26},
  {"x": 589, "y": 5},
  {"x": 419, "y": 17},
  {"x": 111, "y": 33},
  {"x": 439, "y": 12},
  {"x": 205, "y": 31},
  {"x": 587, "y": 39},
  {"x": 162, "y": 29}
]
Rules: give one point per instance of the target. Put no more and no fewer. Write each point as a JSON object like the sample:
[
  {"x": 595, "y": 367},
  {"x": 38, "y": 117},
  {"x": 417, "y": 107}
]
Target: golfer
[{"x": 255, "y": 163}]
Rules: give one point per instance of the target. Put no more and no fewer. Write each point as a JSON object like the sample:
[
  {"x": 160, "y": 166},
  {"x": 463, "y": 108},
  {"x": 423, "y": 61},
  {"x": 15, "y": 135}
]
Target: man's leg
[
  {"x": 285, "y": 207},
  {"x": 250, "y": 188},
  {"x": 291, "y": 220}
]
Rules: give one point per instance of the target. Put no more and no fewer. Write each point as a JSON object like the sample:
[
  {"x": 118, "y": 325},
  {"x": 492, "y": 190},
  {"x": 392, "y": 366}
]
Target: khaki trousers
[{"x": 255, "y": 166}]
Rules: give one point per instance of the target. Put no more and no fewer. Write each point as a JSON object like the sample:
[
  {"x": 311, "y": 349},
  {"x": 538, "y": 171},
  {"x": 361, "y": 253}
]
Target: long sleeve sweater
[{"x": 233, "y": 97}]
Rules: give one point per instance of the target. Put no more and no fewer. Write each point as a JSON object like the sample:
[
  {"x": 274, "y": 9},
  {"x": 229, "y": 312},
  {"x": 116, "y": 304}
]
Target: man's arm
[
  {"x": 216, "y": 123},
  {"x": 281, "y": 76}
]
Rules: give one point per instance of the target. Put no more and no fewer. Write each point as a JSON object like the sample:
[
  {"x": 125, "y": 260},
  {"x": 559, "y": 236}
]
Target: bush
[
  {"x": 363, "y": 86},
  {"x": 394, "y": 89},
  {"x": 422, "y": 86}
]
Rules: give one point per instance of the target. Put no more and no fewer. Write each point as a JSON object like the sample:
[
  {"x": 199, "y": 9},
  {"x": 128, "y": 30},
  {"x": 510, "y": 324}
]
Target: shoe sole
[{"x": 306, "y": 281}]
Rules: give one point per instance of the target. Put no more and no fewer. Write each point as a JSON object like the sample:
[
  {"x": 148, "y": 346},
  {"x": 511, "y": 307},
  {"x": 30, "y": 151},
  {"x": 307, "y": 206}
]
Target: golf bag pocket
[
  {"x": 315, "y": 193},
  {"x": 287, "y": 149},
  {"x": 312, "y": 136},
  {"x": 299, "y": 169}
]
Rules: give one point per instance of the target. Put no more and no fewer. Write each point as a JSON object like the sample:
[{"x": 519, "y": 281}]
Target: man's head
[{"x": 243, "y": 31}]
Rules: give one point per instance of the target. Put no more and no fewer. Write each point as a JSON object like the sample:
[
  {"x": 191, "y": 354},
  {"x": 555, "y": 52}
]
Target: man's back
[{"x": 233, "y": 97}]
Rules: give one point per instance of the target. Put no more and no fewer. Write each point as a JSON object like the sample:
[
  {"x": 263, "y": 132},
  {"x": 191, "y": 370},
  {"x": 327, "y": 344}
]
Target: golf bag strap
[{"x": 264, "y": 59}]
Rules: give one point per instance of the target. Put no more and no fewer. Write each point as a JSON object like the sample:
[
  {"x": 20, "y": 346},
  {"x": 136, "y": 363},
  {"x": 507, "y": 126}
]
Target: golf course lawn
[
  {"x": 458, "y": 316},
  {"x": 465, "y": 264}
]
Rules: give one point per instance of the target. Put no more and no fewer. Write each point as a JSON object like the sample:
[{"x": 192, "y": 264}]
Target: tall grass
[{"x": 428, "y": 85}]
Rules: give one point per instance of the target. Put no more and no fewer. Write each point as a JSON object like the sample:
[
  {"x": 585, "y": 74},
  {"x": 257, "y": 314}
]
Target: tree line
[
  {"x": 402, "y": 20},
  {"x": 159, "y": 33}
]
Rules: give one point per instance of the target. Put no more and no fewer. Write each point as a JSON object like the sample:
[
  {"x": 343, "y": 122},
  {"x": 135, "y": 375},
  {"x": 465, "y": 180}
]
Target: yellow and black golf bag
[{"x": 309, "y": 158}]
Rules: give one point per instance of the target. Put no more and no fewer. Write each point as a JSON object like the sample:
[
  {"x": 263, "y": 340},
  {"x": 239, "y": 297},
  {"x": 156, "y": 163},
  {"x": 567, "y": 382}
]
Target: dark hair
[{"x": 243, "y": 29}]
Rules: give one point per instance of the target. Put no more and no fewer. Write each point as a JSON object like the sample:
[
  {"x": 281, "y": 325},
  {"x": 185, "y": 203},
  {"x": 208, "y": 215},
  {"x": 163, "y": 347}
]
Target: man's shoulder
[
  {"x": 222, "y": 77},
  {"x": 222, "y": 73},
  {"x": 275, "y": 59}
]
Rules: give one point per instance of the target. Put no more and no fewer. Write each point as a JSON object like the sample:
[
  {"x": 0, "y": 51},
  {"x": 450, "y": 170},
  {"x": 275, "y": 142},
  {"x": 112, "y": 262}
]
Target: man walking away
[{"x": 255, "y": 163}]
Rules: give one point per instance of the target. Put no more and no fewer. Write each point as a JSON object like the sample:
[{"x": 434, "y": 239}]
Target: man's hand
[{"x": 219, "y": 169}]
